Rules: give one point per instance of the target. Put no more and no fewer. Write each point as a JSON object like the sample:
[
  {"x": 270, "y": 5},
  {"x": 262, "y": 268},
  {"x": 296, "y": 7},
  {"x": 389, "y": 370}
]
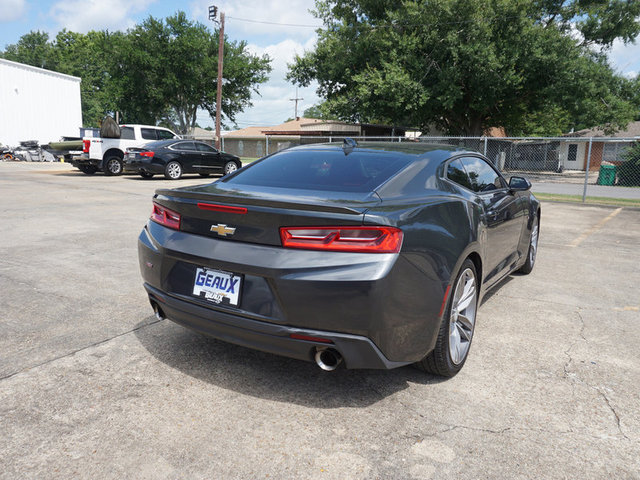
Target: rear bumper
[
  {"x": 378, "y": 309},
  {"x": 83, "y": 160},
  {"x": 357, "y": 351},
  {"x": 137, "y": 166}
]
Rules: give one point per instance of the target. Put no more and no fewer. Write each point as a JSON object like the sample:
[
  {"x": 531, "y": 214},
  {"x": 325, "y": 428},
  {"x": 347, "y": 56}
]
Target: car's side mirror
[{"x": 519, "y": 184}]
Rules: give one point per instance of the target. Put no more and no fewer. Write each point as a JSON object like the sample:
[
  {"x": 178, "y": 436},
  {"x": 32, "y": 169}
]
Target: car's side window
[
  {"x": 148, "y": 133},
  {"x": 482, "y": 176},
  {"x": 203, "y": 147},
  {"x": 164, "y": 135},
  {"x": 456, "y": 173},
  {"x": 184, "y": 146},
  {"x": 126, "y": 133}
]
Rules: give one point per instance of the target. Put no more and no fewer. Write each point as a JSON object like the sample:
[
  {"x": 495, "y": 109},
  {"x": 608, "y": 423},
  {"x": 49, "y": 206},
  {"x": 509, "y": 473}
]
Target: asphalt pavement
[{"x": 93, "y": 386}]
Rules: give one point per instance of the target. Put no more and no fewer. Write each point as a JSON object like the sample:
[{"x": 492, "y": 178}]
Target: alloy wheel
[
  {"x": 463, "y": 316},
  {"x": 533, "y": 249},
  {"x": 230, "y": 167},
  {"x": 114, "y": 166},
  {"x": 174, "y": 170}
]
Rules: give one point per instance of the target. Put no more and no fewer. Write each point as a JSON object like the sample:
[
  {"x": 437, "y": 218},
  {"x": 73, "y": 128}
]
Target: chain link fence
[{"x": 576, "y": 166}]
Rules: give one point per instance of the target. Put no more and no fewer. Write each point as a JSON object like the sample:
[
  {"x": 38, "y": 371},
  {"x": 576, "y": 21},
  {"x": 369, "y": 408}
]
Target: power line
[
  {"x": 248, "y": 20},
  {"x": 391, "y": 24}
]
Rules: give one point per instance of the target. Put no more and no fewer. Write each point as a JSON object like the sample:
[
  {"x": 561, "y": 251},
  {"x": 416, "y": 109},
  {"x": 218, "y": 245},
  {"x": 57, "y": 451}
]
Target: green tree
[
  {"x": 33, "y": 48},
  {"x": 319, "y": 111},
  {"x": 465, "y": 65},
  {"x": 88, "y": 57},
  {"x": 167, "y": 70}
]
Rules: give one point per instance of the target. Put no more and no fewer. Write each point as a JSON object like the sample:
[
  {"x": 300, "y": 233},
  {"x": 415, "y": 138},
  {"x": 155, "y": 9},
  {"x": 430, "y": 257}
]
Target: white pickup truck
[{"x": 106, "y": 154}]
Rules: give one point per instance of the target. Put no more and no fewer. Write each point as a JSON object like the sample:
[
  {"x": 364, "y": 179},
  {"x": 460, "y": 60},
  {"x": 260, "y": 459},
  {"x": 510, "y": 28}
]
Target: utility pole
[
  {"x": 213, "y": 11},
  {"x": 296, "y": 102}
]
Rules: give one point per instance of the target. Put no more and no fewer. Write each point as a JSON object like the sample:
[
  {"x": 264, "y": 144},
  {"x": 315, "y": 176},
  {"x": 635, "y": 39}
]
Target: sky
[{"x": 280, "y": 29}]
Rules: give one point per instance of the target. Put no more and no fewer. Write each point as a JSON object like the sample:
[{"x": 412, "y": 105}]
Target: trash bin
[{"x": 607, "y": 175}]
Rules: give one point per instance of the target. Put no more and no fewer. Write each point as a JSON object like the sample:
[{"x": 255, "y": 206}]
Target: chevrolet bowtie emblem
[{"x": 223, "y": 230}]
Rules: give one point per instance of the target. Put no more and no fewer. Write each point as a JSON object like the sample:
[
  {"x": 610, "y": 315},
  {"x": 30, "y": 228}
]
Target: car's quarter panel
[{"x": 439, "y": 232}]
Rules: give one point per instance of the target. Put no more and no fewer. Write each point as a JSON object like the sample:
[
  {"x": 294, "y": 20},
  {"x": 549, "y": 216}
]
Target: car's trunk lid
[{"x": 255, "y": 214}]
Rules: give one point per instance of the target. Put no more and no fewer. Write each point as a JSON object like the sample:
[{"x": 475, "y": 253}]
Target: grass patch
[
  {"x": 246, "y": 160},
  {"x": 618, "y": 202}
]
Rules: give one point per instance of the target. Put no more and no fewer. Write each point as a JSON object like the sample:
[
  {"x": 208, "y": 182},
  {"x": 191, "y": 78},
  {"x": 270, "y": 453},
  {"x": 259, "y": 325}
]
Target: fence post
[
  {"x": 330, "y": 139},
  {"x": 485, "y": 146},
  {"x": 222, "y": 140},
  {"x": 586, "y": 173},
  {"x": 266, "y": 145}
]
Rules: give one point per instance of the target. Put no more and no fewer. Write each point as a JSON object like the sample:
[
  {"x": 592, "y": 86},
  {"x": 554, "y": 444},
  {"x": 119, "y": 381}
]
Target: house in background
[
  {"x": 574, "y": 154},
  {"x": 201, "y": 134},
  {"x": 259, "y": 141},
  {"x": 37, "y": 104}
]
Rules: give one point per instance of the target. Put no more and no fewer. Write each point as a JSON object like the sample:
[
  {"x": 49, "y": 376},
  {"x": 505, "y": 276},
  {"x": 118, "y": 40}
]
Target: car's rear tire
[
  {"x": 173, "y": 170},
  {"x": 533, "y": 248},
  {"x": 146, "y": 175},
  {"x": 112, "y": 165},
  {"x": 230, "y": 167},
  {"x": 458, "y": 324}
]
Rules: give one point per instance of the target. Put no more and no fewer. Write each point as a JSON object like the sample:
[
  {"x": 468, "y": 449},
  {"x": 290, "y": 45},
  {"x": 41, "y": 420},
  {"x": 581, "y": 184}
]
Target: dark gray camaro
[{"x": 374, "y": 254}]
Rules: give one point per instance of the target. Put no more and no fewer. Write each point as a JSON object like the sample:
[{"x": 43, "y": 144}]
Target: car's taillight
[
  {"x": 147, "y": 154},
  {"x": 166, "y": 217},
  {"x": 343, "y": 239},
  {"x": 85, "y": 146}
]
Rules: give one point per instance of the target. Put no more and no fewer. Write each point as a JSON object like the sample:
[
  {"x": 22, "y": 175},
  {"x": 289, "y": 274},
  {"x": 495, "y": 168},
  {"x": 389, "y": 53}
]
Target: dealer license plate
[{"x": 217, "y": 287}]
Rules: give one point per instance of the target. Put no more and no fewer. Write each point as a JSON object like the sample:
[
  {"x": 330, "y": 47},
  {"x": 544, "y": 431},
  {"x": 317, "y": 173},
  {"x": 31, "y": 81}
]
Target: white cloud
[
  {"x": 282, "y": 54},
  {"x": 84, "y": 15},
  {"x": 626, "y": 58},
  {"x": 274, "y": 106},
  {"x": 11, "y": 10}
]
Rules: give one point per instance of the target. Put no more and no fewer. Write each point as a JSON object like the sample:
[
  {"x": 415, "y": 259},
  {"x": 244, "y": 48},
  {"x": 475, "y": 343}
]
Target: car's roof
[
  {"x": 144, "y": 126},
  {"x": 172, "y": 141},
  {"x": 163, "y": 143},
  {"x": 415, "y": 149}
]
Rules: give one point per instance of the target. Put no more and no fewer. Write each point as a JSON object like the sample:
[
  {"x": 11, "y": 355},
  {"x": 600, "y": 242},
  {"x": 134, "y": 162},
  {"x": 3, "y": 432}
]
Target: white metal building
[{"x": 37, "y": 104}]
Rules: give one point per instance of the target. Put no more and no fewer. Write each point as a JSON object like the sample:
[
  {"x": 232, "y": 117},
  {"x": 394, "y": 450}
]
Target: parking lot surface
[{"x": 93, "y": 386}]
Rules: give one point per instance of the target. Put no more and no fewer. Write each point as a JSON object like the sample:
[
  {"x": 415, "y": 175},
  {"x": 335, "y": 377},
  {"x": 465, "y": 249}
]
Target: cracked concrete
[{"x": 93, "y": 386}]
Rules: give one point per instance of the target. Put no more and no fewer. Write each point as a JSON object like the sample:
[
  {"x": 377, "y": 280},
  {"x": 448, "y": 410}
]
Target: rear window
[{"x": 323, "y": 170}]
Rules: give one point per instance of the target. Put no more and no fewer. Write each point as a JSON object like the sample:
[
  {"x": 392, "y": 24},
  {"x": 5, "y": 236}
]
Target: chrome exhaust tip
[
  {"x": 328, "y": 359},
  {"x": 158, "y": 311}
]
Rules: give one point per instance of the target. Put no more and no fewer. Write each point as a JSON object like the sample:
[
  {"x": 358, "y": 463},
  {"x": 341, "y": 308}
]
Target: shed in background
[{"x": 37, "y": 104}]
